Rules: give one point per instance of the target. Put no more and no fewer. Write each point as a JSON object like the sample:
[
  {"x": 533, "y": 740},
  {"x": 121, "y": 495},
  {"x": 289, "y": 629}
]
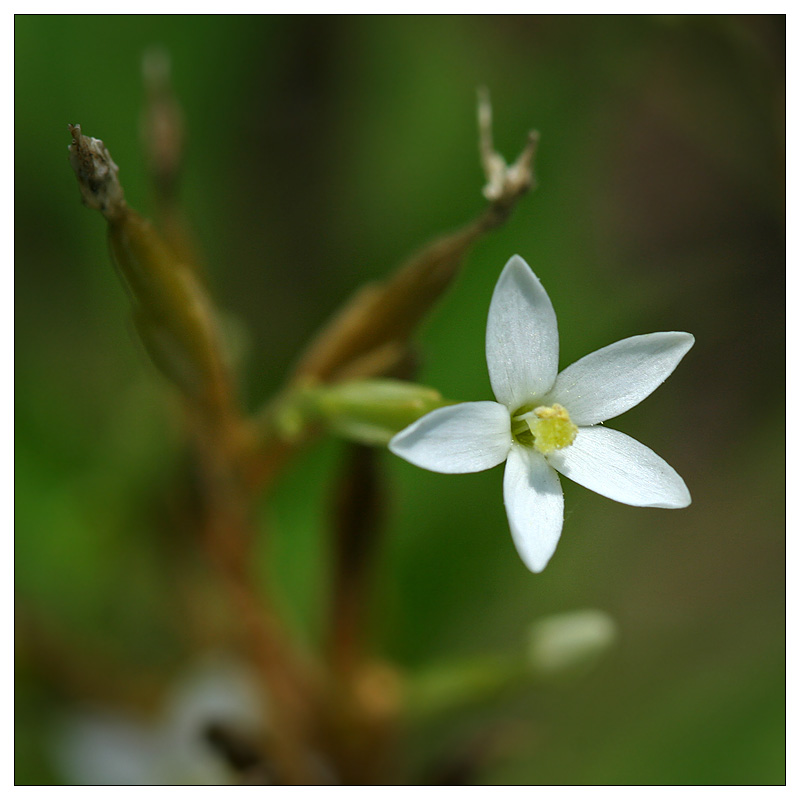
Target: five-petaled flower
[{"x": 545, "y": 421}]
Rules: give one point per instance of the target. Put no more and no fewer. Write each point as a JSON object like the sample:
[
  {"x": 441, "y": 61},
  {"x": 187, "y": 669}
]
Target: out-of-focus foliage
[{"x": 321, "y": 151}]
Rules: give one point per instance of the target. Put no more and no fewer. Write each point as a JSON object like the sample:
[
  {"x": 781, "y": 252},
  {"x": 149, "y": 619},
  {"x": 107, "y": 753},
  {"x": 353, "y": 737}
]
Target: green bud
[{"x": 371, "y": 411}]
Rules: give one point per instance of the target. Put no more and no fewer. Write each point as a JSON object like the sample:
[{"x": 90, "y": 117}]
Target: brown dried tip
[{"x": 96, "y": 173}]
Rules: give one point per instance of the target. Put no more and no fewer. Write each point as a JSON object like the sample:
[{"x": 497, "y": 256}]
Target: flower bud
[
  {"x": 172, "y": 313},
  {"x": 372, "y": 411},
  {"x": 566, "y": 642}
]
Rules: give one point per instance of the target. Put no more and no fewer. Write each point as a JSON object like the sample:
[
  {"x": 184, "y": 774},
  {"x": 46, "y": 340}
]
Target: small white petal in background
[
  {"x": 564, "y": 642},
  {"x": 94, "y": 747},
  {"x": 106, "y": 748},
  {"x": 217, "y": 689}
]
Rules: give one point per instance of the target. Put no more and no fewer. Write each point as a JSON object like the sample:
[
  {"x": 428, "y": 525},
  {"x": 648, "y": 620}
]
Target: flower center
[{"x": 547, "y": 428}]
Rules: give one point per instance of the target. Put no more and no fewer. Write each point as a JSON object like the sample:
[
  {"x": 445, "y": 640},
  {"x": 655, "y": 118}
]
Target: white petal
[
  {"x": 521, "y": 337},
  {"x": 468, "y": 437},
  {"x": 613, "y": 379},
  {"x": 534, "y": 504},
  {"x": 615, "y": 465}
]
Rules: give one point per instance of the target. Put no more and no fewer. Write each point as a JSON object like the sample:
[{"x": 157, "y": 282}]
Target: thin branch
[
  {"x": 369, "y": 336},
  {"x": 176, "y": 321}
]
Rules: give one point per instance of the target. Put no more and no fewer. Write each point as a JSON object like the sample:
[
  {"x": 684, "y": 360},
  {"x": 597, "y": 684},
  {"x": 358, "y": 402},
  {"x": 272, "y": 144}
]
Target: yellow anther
[{"x": 551, "y": 427}]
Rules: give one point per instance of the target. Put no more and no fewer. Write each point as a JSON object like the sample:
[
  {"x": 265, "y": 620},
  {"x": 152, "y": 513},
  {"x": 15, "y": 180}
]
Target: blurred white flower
[
  {"x": 104, "y": 747},
  {"x": 544, "y": 422}
]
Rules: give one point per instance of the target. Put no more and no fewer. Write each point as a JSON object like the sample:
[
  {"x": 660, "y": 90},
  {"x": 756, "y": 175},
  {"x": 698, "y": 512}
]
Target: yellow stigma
[{"x": 551, "y": 427}]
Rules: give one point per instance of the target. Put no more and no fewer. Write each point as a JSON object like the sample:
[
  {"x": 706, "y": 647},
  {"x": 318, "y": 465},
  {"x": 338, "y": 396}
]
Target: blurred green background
[{"x": 321, "y": 151}]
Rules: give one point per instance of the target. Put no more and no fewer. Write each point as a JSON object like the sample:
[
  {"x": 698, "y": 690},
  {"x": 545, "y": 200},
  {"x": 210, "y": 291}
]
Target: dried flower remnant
[
  {"x": 97, "y": 174},
  {"x": 504, "y": 183},
  {"x": 380, "y": 318}
]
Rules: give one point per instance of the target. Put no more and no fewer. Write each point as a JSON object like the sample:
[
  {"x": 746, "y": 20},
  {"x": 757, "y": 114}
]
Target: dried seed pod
[{"x": 172, "y": 313}]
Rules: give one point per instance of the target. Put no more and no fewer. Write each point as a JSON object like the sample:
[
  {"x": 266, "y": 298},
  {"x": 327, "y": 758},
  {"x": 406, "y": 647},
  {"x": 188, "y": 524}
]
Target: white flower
[
  {"x": 105, "y": 747},
  {"x": 545, "y": 422}
]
